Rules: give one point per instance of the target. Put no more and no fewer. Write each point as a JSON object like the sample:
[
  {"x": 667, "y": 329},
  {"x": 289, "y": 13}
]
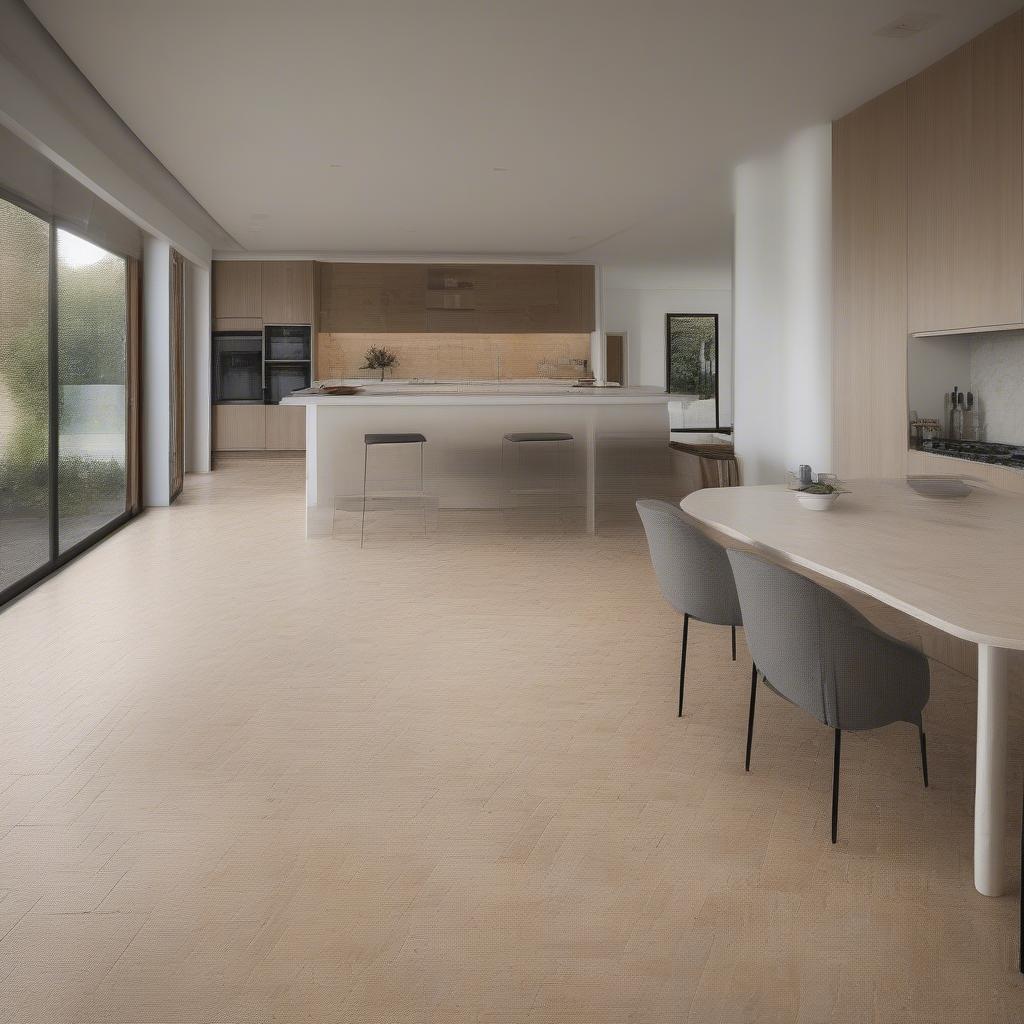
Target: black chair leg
[
  {"x": 733, "y": 643},
  {"x": 924, "y": 756},
  {"x": 682, "y": 662},
  {"x": 750, "y": 720},
  {"x": 835, "y": 785}
]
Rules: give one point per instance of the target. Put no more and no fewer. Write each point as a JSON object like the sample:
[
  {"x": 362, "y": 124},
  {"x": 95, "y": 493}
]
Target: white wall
[
  {"x": 156, "y": 362},
  {"x": 782, "y": 304},
  {"x": 198, "y": 397},
  {"x": 636, "y": 303}
]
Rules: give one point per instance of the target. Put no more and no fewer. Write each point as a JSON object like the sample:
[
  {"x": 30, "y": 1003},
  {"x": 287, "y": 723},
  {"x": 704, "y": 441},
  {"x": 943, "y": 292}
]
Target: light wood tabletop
[{"x": 955, "y": 563}]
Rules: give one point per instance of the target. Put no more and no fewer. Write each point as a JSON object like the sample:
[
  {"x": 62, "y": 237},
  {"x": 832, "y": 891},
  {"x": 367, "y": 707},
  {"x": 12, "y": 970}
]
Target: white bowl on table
[{"x": 817, "y": 502}]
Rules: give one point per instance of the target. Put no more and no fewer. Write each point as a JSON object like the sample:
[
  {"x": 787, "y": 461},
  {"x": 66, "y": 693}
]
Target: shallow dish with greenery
[{"x": 820, "y": 496}]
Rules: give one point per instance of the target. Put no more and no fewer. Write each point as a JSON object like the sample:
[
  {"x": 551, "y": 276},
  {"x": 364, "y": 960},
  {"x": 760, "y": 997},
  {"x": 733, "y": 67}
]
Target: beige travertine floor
[{"x": 248, "y": 778}]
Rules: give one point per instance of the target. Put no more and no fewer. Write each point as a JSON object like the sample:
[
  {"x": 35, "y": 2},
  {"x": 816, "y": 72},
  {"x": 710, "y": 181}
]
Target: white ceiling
[{"x": 377, "y": 126}]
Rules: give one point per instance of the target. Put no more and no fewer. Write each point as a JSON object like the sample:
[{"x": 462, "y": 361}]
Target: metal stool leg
[
  {"x": 423, "y": 495},
  {"x": 362, "y": 524},
  {"x": 835, "y": 784}
]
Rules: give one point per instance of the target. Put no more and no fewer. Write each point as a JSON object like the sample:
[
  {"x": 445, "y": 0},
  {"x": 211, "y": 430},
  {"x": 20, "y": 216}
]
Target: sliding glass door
[
  {"x": 92, "y": 335},
  {"x": 64, "y": 379},
  {"x": 25, "y": 540}
]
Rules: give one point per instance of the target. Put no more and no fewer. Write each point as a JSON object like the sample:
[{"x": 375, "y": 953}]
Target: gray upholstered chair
[
  {"x": 693, "y": 573},
  {"x": 821, "y": 654}
]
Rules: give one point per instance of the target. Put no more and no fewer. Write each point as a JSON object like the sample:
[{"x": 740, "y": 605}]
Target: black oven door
[{"x": 238, "y": 367}]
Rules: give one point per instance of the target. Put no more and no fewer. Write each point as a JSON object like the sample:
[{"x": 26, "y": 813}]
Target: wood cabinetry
[
  {"x": 287, "y": 292},
  {"x": 239, "y": 428},
  {"x": 270, "y": 291},
  {"x": 372, "y": 297},
  {"x": 869, "y": 238},
  {"x": 238, "y": 323},
  {"x": 286, "y": 428},
  {"x": 237, "y": 288},
  {"x": 966, "y": 181},
  {"x": 449, "y": 298},
  {"x": 252, "y": 428}
]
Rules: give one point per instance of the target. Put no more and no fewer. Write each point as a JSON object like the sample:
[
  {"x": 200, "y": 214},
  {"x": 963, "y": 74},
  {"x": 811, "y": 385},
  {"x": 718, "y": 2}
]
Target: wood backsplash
[{"x": 456, "y": 356}]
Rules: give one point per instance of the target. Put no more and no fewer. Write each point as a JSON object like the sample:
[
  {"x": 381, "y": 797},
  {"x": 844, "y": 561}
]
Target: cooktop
[{"x": 991, "y": 452}]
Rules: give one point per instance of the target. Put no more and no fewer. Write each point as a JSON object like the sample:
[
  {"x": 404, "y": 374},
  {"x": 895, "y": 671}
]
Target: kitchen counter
[
  {"x": 513, "y": 392},
  {"x": 619, "y": 451}
]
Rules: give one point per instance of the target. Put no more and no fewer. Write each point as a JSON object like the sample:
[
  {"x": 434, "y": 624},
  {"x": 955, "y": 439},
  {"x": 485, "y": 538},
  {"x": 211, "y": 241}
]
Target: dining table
[{"x": 949, "y": 557}]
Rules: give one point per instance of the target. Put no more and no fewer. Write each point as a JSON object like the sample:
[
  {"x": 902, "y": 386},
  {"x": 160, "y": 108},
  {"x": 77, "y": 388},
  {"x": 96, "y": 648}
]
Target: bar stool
[
  {"x": 565, "y": 445},
  {"x": 370, "y": 440}
]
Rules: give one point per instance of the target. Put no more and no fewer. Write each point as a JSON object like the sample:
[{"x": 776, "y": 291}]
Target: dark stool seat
[
  {"x": 539, "y": 437},
  {"x": 394, "y": 439},
  {"x": 369, "y": 440}
]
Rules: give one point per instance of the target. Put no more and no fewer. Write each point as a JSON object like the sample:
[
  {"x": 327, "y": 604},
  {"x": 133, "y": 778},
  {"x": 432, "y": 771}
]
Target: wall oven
[{"x": 238, "y": 366}]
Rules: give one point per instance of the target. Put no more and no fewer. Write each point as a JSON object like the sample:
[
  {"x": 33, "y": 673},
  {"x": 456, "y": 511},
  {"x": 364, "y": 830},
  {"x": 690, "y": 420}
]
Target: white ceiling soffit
[
  {"x": 588, "y": 129},
  {"x": 47, "y": 102}
]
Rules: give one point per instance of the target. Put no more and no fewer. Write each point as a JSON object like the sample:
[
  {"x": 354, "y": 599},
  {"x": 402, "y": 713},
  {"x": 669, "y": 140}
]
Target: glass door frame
[
  {"x": 133, "y": 419},
  {"x": 717, "y": 427}
]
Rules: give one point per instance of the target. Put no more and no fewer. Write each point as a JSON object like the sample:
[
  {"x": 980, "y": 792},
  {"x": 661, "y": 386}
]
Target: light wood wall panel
[
  {"x": 287, "y": 289},
  {"x": 869, "y": 225},
  {"x": 967, "y": 185},
  {"x": 237, "y": 288}
]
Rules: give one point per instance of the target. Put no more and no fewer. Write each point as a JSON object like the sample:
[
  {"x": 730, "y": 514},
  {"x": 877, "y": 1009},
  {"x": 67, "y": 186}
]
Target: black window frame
[{"x": 717, "y": 428}]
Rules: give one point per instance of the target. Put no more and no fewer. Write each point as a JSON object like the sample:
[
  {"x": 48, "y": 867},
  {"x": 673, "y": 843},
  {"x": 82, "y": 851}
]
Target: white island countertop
[{"x": 481, "y": 393}]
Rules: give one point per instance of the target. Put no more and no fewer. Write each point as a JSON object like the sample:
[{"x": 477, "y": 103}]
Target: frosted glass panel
[
  {"x": 91, "y": 377},
  {"x": 24, "y": 418}
]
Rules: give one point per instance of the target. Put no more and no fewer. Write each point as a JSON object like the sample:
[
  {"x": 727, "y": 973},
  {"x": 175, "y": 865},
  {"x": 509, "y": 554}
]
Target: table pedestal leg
[{"x": 990, "y": 774}]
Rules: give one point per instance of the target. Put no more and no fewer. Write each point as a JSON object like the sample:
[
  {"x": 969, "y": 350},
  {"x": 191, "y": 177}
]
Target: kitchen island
[{"x": 620, "y": 450}]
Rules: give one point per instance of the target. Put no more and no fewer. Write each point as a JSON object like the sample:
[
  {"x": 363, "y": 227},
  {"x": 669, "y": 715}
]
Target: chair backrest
[
  {"x": 692, "y": 570},
  {"x": 823, "y": 655}
]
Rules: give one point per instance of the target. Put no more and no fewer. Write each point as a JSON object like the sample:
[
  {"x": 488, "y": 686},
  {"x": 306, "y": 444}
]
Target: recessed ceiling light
[
  {"x": 908, "y": 24},
  {"x": 337, "y": 165},
  {"x": 499, "y": 168}
]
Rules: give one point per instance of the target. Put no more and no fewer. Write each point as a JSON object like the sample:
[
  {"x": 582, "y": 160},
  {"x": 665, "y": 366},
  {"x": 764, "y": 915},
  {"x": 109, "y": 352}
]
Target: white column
[
  {"x": 156, "y": 372},
  {"x": 990, "y": 774},
  {"x": 198, "y": 408},
  {"x": 597, "y": 349},
  {"x": 590, "y": 472}
]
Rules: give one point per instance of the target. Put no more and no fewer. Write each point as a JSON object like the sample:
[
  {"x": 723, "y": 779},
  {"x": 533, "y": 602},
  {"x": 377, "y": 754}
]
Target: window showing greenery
[
  {"x": 92, "y": 294},
  {"x": 692, "y": 371},
  {"x": 24, "y": 393},
  {"x": 57, "y": 491}
]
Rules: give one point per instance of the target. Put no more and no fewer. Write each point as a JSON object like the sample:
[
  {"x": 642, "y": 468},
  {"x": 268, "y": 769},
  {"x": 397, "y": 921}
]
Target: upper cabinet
[
  {"x": 249, "y": 293},
  {"x": 288, "y": 290},
  {"x": 966, "y": 185},
  {"x": 467, "y": 298},
  {"x": 372, "y": 297},
  {"x": 237, "y": 288}
]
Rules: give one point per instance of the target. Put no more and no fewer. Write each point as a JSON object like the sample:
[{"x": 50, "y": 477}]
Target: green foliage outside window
[
  {"x": 92, "y": 298},
  {"x": 692, "y": 344}
]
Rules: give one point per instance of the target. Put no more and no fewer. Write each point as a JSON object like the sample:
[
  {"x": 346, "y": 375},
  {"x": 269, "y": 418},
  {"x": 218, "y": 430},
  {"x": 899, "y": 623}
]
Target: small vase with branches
[{"x": 379, "y": 358}]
